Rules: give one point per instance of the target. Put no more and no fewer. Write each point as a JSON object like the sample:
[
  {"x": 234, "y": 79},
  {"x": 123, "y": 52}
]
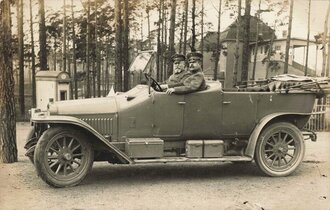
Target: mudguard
[
  {"x": 75, "y": 121},
  {"x": 259, "y": 127}
]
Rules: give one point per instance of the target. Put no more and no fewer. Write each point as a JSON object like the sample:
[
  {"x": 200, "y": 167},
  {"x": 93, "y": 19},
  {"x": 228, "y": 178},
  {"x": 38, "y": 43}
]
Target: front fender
[
  {"x": 80, "y": 123},
  {"x": 261, "y": 125}
]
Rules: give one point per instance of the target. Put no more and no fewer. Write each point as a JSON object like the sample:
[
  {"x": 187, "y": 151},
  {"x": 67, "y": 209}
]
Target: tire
[
  {"x": 63, "y": 157},
  {"x": 280, "y": 149}
]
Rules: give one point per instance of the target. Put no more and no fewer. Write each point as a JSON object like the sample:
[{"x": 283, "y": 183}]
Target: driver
[
  {"x": 195, "y": 81},
  {"x": 180, "y": 72}
]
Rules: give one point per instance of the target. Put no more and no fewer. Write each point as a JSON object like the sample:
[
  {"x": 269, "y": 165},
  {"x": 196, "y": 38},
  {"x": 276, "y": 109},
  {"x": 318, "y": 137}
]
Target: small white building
[{"x": 52, "y": 86}]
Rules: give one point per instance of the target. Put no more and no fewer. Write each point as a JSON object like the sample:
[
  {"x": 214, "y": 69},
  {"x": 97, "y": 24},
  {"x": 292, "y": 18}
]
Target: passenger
[
  {"x": 180, "y": 72},
  {"x": 195, "y": 81}
]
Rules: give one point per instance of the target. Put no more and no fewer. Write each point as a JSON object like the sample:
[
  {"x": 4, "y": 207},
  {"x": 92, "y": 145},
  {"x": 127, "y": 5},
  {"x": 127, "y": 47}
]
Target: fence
[{"x": 320, "y": 118}]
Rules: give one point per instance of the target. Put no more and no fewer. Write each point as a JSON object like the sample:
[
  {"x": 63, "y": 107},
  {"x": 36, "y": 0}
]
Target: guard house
[{"x": 51, "y": 86}]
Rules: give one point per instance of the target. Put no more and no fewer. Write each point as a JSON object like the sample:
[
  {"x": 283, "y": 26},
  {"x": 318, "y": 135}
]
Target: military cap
[
  {"x": 195, "y": 55},
  {"x": 178, "y": 57}
]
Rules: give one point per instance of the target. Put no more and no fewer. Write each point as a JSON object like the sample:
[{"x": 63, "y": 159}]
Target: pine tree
[
  {"x": 42, "y": 36},
  {"x": 8, "y": 148}
]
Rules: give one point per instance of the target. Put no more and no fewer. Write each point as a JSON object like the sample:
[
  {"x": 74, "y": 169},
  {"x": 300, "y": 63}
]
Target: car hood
[{"x": 84, "y": 106}]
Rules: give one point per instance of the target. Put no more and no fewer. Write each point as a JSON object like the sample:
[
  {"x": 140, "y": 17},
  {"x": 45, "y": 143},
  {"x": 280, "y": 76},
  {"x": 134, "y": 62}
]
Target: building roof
[{"x": 229, "y": 34}]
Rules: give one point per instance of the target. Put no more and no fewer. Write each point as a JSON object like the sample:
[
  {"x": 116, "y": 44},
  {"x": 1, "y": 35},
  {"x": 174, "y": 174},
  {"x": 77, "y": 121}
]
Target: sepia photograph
[{"x": 165, "y": 104}]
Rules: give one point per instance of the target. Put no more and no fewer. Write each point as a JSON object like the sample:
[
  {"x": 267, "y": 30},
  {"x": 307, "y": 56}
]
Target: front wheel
[
  {"x": 280, "y": 149},
  {"x": 63, "y": 157}
]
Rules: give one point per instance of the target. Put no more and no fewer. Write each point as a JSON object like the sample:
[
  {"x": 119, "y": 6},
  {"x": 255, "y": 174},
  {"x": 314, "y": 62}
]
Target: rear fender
[
  {"x": 296, "y": 118},
  {"x": 83, "y": 125}
]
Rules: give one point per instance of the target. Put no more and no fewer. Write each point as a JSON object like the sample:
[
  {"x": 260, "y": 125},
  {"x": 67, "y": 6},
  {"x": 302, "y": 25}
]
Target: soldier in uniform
[
  {"x": 180, "y": 72},
  {"x": 195, "y": 81}
]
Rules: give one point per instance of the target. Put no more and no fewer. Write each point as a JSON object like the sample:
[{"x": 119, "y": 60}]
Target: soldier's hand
[
  {"x": 170, "y": 91},
  {"x": 164, "y": 86}
]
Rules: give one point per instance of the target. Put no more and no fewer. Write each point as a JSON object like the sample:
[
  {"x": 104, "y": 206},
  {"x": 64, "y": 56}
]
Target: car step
[{"x": 185, "y": 159}]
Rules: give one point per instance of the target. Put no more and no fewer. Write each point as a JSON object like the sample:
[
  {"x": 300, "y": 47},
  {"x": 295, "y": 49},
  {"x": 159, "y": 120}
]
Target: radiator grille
[{"x": 102, "y": 125}]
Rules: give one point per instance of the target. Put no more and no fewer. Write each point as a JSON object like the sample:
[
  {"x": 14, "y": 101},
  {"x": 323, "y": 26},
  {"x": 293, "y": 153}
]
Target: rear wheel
[
  {"x": 280, "y": 149},
  {"x": 63, "y": 157}
]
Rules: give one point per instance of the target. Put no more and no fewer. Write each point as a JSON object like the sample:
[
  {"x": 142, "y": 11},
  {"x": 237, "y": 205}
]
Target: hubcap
[{"x": 67, "y": 156}]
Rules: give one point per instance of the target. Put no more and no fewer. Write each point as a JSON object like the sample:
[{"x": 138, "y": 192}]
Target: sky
[{"x": 299, "y": 24}]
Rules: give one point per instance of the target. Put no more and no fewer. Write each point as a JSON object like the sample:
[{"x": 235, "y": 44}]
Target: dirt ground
[{"x": 173, "y": 186}]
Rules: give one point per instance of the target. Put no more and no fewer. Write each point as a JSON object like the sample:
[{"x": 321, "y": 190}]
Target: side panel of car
[
  {"x": 135, "y": 117},
  {"x": 292, "y": 103}
]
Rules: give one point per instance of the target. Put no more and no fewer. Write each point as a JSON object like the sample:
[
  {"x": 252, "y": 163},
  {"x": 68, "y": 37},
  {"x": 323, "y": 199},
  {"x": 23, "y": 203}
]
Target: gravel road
[{"x": 173, "y": 186}]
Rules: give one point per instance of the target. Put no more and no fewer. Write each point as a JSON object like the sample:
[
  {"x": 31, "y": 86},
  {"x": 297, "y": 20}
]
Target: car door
[
  {"x": 238, "y": 113},
  {"x": 202, "y": 115},
  {"x": 168, "y": 114}
]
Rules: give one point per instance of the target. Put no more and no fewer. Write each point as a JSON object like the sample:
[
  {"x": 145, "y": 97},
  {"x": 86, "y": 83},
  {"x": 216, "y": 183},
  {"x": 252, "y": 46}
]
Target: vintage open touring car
[{"x": 145, "y": 125}]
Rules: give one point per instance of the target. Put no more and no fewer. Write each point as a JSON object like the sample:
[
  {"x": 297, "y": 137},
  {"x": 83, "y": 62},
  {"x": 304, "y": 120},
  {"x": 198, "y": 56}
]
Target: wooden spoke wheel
[
  {"x": 63, "y": 157},
  {"x": 280, "y": 149}
]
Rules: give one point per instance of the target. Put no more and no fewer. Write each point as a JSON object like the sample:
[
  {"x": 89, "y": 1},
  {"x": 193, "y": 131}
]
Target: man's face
[
  {"x": 194, "y": 64},
  {"x": 178, "y": 66}
]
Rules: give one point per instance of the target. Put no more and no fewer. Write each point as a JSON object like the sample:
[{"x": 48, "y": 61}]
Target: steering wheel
[{"x": 153, "y": 83}]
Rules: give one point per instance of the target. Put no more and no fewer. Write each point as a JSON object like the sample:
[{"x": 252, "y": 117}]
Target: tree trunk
[
  {"x": 97, "y": 56},
  {"x": 171, "y": 38},
  {"x": 181, "y": 33},
  {"x": 270, "y": 52},
  {"x": 246, "y": 41},
  {"x": 185, "y": 27},
  {"x": 33, "y": 60},
  {"x": 165, "y": 49},
  {"x": 202, "y": 29},
  {"x": 74, "y": 57},
  {"x": 8, "y": 146},
  {"x": 288, "y": 39},
  {"x": 118, "y": 58},
  {"x": 64, "y": 37},
  {"x": 125, "y": 45},
  {"x": 107, "y": 77},
  {"x": 328, "y": 63},
  {"x": 94, "y": 75},
  {"x": 88, "y": 88},
  {"x": 218, "y": 48},
  {"x": 159, "y": 50},
  {"x": 236, "y": 55},
  {"x": 141, "y": 29},
  {"x": 19, "y": 4},
  {"x": 324, "y": 41},
  {"x": 308, "y": 32},
  {"x": 55, "y": 53},
  {"x": 193, "y": 30},
  {"x": 256, "y": 44},
  {"x": 42, "y": 37},
  {"x": 148, "y": 19}
]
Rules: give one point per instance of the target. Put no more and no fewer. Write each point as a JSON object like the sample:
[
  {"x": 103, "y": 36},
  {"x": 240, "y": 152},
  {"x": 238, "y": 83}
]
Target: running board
[{"x": 184, "y": 159}]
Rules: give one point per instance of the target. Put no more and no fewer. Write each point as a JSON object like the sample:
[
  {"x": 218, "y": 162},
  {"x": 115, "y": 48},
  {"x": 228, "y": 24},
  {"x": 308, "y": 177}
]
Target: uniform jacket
[
  {"x": 177, "y": 79},
  {"x": 194, "y": 82}
]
